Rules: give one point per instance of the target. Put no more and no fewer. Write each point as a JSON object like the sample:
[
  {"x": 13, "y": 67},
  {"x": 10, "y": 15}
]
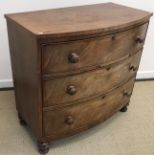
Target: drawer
[
  {"x": 61, "y": 122},
  {"x": 89, "y": 53},
  {"x": 70, "y": 89}
]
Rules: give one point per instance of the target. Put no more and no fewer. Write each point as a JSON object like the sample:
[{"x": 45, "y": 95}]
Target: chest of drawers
[{"x": 74, "y": 67}]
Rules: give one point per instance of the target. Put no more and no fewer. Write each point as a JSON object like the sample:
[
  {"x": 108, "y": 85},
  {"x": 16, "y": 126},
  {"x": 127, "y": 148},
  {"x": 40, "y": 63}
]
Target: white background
[{"x": 10, "y": 6}]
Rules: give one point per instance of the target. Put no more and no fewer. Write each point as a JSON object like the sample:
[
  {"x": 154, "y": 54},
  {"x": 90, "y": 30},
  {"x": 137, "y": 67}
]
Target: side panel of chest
[{"x": 25, "y": 59}]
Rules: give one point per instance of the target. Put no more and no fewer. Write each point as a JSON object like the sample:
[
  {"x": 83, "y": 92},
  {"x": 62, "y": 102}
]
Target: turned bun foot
[
  {"x": 124, "y": 109},
  {"x": 21, "y": 120},
  {"x": 43, "y": 147}
]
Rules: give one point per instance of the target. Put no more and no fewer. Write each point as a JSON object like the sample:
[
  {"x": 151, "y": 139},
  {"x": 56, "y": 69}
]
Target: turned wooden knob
[
  {"x": 139, "y": 40},
  {"x": 108, "y": 68},
  {"x": 132, "y": 67},
  {"x": 126, "y": 93},
  {"x": 69, "y": 120},
  {"x": 73, "y": 58},
  {"x": 71, "y": 90}
]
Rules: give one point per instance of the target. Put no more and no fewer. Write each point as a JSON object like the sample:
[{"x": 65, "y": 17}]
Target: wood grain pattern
[
  {"x": 85, "y": 113},
  {"x": 91, "y": 52},
  {"x": 88, "y": 83}
]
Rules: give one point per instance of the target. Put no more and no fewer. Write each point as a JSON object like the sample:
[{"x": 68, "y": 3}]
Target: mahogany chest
[{"x": 74, "y": 67}]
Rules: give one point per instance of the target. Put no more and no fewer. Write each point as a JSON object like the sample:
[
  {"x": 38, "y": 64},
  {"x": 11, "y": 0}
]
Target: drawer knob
[
  {"x": 139, "y": 40},
  {"x": 69, "y": 120},
  {"x": 108, "y": 68},
  {"x": 126, "y": 93},
  {"x": 73, "y": 58},
  {"x": 113, "y": 37},
  {"x": 71, "y": 90},
  {"x": 132, "y": 67}
]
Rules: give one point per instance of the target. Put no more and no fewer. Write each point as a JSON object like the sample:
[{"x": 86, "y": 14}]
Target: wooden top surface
[{"x": 81, "y": 19}]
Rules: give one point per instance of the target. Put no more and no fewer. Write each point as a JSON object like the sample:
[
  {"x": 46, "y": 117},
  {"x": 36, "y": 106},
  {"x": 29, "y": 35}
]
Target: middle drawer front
[{"x": 67, "y": 90}]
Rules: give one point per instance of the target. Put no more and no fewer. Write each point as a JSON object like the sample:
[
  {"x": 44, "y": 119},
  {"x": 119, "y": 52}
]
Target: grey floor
[{"x": 128, "y": 133}]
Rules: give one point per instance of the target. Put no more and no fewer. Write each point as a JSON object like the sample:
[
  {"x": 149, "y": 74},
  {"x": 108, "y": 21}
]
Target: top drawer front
[
  {"x": 84, "y": 54},
  {"x": 70, "y": 89}
]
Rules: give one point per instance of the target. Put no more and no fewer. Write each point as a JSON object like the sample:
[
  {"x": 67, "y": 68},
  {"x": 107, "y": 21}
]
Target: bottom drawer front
[{"x": 61, "y": 122}]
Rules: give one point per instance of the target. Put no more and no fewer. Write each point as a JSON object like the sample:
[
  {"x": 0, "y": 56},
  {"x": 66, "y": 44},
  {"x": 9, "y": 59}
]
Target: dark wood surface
[
  {"x": 84, "y": 19},
  {"x": 74, "y": 67}
]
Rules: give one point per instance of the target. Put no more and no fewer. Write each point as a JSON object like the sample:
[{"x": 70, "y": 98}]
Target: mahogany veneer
[{"x": 74, "y": 67}]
